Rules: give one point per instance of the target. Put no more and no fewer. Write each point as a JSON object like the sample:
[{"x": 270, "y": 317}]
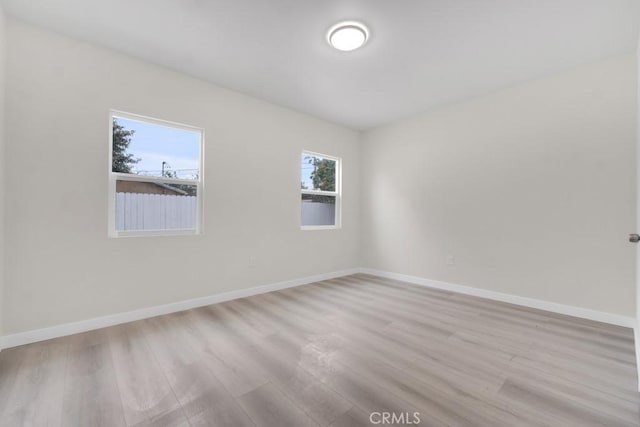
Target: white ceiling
[{"x": 421, "y": 54}]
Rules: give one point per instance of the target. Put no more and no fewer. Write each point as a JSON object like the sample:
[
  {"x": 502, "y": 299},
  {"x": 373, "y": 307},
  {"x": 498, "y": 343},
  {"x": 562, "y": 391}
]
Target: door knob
[{"x": 634, "y": 238}]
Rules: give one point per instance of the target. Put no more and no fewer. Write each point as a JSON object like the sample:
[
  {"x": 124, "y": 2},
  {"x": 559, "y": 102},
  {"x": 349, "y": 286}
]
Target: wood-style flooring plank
[
  {"x": 145, "y": 392},
  {"x": 268, "y": 407},
  {"x": 91, "y": 394},
  {"x": 36, "y": 395}
]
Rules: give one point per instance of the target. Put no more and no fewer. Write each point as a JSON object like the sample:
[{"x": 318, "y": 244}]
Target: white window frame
[
  {"x": 119, "y": 176},
  {"x": 337, "y": 194}
]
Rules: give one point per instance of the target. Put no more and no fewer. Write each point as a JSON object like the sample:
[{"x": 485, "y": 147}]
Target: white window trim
[
  {"x": 115, "y": 176},
  {"x": 337, "y": 194}
]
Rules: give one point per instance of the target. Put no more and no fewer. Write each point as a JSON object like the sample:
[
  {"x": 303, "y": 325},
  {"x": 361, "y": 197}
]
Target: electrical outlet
[
  {"x": 252, "y": 261},
  {"x": 451, "y": 260}
]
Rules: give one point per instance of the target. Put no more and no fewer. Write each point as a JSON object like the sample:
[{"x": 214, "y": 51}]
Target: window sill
[
  {"x": 153, "y": 233},
  {"x": 319, "y": 227}
]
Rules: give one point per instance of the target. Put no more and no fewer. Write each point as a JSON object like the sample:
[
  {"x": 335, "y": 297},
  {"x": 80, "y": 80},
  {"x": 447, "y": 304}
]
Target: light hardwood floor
[{"x": 331, "y": 353}]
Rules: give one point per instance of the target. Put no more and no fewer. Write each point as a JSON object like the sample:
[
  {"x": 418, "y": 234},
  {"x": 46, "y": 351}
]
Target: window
[
  {"x": 320, "y": 187},
  {"x": 155, "y": 177}
]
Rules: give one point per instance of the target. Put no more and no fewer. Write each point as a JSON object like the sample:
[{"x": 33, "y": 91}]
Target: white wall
[
  {"x": 61, "y": 265},
  {"x": 2, "y": 163},
  {"x": 531, "y": 189}
]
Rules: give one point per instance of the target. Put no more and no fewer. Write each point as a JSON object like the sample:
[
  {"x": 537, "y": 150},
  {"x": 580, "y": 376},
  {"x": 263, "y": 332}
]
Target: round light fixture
[{"x": 348, "y": 35}]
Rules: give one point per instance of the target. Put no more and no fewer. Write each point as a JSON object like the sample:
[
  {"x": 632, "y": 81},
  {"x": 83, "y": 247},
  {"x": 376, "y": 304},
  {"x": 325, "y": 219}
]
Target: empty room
[{"x": 337, "y": 213}]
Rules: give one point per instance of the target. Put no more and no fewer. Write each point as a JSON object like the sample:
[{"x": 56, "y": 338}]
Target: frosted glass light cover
[{"x": 347, "y": 36}]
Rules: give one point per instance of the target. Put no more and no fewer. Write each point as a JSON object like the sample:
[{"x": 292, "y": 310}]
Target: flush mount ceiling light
[{"x": 349, "y": 35}]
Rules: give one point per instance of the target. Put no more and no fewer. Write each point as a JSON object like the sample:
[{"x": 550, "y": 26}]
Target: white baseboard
[
  {"x": 144, "y": 313},
  {"x": 585, "y": 313},
  {"x": 28, "y": 337}
]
